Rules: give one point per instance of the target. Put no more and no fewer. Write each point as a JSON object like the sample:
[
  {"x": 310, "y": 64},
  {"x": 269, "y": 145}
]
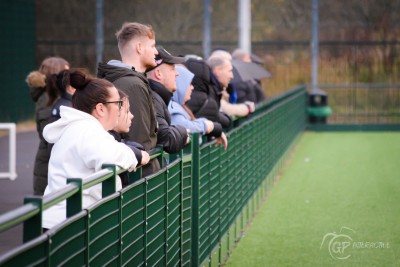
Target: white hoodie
[{"x": 81, "y": 147}]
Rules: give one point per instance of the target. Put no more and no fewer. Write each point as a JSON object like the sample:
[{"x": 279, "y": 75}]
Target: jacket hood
[
  {"x": 53, "y": 131},
  {"x": 115, "y": 69},
  {"x": 182, "y": 84},
  {"x": 199, "y": 68},
  {"x": 36, "y": 79},
  {"x": 37, "y": 83}
]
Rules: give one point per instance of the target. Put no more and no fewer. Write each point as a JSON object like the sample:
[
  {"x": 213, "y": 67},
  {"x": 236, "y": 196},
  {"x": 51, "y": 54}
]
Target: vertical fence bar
[
  {"x": 195, "y": 199},
  {"x": 33, "y": 226},
  {"x": 74, "y": 203},
  {"x": 108, "y": 186}
]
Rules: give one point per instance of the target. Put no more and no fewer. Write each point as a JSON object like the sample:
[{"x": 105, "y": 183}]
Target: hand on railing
[
  {"x": 251, "y": 106},
  {"x": 145, "y": 158},
  {"x": 222, "y": 140}
]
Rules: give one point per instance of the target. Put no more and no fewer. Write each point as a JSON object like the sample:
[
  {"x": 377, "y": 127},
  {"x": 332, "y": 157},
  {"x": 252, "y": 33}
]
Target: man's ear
[
  {"x": 139, "y": 47},
  {"x": 158, "y": 73}
]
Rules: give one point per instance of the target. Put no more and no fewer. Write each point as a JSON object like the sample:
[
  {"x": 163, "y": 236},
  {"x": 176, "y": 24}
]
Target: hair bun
[{"x": 79, "y": 78}]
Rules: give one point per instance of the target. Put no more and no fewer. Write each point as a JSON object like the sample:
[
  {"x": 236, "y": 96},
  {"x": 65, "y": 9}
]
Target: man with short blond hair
[{"x": 136, "y": 44}]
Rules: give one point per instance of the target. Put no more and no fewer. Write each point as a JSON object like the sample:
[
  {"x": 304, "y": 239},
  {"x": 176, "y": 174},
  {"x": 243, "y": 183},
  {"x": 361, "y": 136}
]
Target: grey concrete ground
[{"x": 12, "y": 193}]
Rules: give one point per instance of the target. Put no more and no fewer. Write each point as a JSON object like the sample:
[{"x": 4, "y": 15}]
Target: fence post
[
  {"x": 74, "y": 202},
  {"x": 108, "y": 186},
  {"x": 33, "y": 226},
  {"x": 135, "y": 175},
  {"x": 195, "y": 198}
]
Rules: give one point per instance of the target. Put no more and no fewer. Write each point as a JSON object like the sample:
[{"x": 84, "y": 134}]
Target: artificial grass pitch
[{"x": 337, "y": 203}]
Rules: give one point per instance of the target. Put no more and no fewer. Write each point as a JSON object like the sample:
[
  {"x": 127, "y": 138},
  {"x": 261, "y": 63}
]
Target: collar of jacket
[
  {"x": 114, "y": 72},
  {"x": 36, "y": 92},
  {"x": 215, "y": 81},
  {"x": 66, "y": 95},
  {"x": 161, "y": 91}
]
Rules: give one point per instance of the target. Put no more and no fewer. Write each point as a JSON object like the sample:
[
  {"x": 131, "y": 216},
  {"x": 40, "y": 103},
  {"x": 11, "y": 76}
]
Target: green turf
[{"x": 346, "y": 184}]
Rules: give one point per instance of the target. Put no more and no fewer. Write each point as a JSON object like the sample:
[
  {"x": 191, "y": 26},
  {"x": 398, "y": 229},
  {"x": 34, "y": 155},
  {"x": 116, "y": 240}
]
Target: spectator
[
  {"x": 222, "y": 69},
  {"x": 182, "y": 115},
  {"x": 136, "y": 44},
  {"x": 37, "y": 81},
  {"x": 119, "y": 132},
  {"x": 81, "y": 141},
  {"x": 206, "y": 95},
  {"x": 60, "y": 93},
  {"x": 247, "y": 90},
  {"x": 162, "y": 79}
]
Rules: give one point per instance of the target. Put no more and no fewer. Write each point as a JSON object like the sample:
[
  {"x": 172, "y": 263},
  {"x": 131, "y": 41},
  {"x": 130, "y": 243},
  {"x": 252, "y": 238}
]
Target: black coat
[
  {"x": 64, "y": 100},
  {"x": 206, "y": 96},
  {"x": 172, "y": 137},
  {"x": 249, "y": 91}
]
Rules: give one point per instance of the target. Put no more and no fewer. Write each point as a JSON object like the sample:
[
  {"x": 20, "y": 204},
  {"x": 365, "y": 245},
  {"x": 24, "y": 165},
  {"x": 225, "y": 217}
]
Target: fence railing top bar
[
  {"x": 60, "y": 195},
  {"x": 279, "y": 97},
  {"x": 97, "y": 178},
  {"x": 359, "y": 85},
  {"x": 289, "y": 97},
  {"x": 156, "y": 152},
  {"x": 17, "y": 216}
]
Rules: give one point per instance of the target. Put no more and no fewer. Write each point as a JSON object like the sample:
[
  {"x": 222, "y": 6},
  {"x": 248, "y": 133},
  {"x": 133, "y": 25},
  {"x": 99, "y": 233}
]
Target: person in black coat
[
  {"x": 162, "y": 80},
  {"x": 206, "y": 96}
]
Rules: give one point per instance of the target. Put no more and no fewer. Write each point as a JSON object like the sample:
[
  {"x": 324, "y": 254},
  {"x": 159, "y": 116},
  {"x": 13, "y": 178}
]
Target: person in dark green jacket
[{"x": 136, "y": 44}]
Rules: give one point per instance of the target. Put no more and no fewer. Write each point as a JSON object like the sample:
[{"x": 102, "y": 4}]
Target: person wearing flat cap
[{"x": 162, "y": 79}]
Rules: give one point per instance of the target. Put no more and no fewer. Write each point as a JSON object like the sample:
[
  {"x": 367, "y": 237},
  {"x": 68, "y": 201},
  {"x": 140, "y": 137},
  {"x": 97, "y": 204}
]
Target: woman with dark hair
[
  {"x": 59, "y": 91},
  {"x": 38, "y": 81},
  {"x": 82, "y": 143}
]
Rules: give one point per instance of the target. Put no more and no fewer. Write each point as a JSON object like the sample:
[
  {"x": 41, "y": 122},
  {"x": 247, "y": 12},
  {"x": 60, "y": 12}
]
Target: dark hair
[
  {"x": 89, "y": 90},
  {"x": 56, "y": 85}
]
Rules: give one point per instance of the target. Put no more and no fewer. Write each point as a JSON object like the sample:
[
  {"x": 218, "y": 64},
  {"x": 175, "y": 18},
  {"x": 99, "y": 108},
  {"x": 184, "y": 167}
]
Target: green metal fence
[{"x": 190, "y": 213}]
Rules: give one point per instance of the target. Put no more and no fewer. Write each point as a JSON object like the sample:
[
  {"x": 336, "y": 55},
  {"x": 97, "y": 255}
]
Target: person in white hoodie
[{"x": 82, "y": 143}]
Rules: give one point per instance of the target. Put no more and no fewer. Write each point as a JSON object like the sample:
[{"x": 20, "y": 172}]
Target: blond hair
[{"x": 131, "y": 30}]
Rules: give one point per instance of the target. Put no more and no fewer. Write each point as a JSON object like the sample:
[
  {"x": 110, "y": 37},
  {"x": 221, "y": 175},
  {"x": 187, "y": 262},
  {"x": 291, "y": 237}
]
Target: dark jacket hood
[
  {"x": 112, "y": 71},
  {"x": 199, "y": 67},
  {"x": 37, "y": 84}
]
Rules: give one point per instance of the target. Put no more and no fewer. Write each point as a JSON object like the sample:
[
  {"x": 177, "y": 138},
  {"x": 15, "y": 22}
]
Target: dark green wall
[{"x": 17, "y": 48}]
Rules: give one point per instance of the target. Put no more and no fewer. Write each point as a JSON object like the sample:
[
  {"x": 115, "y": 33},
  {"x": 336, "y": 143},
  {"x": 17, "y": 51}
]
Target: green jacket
[{"x": 135, "y": 84}]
